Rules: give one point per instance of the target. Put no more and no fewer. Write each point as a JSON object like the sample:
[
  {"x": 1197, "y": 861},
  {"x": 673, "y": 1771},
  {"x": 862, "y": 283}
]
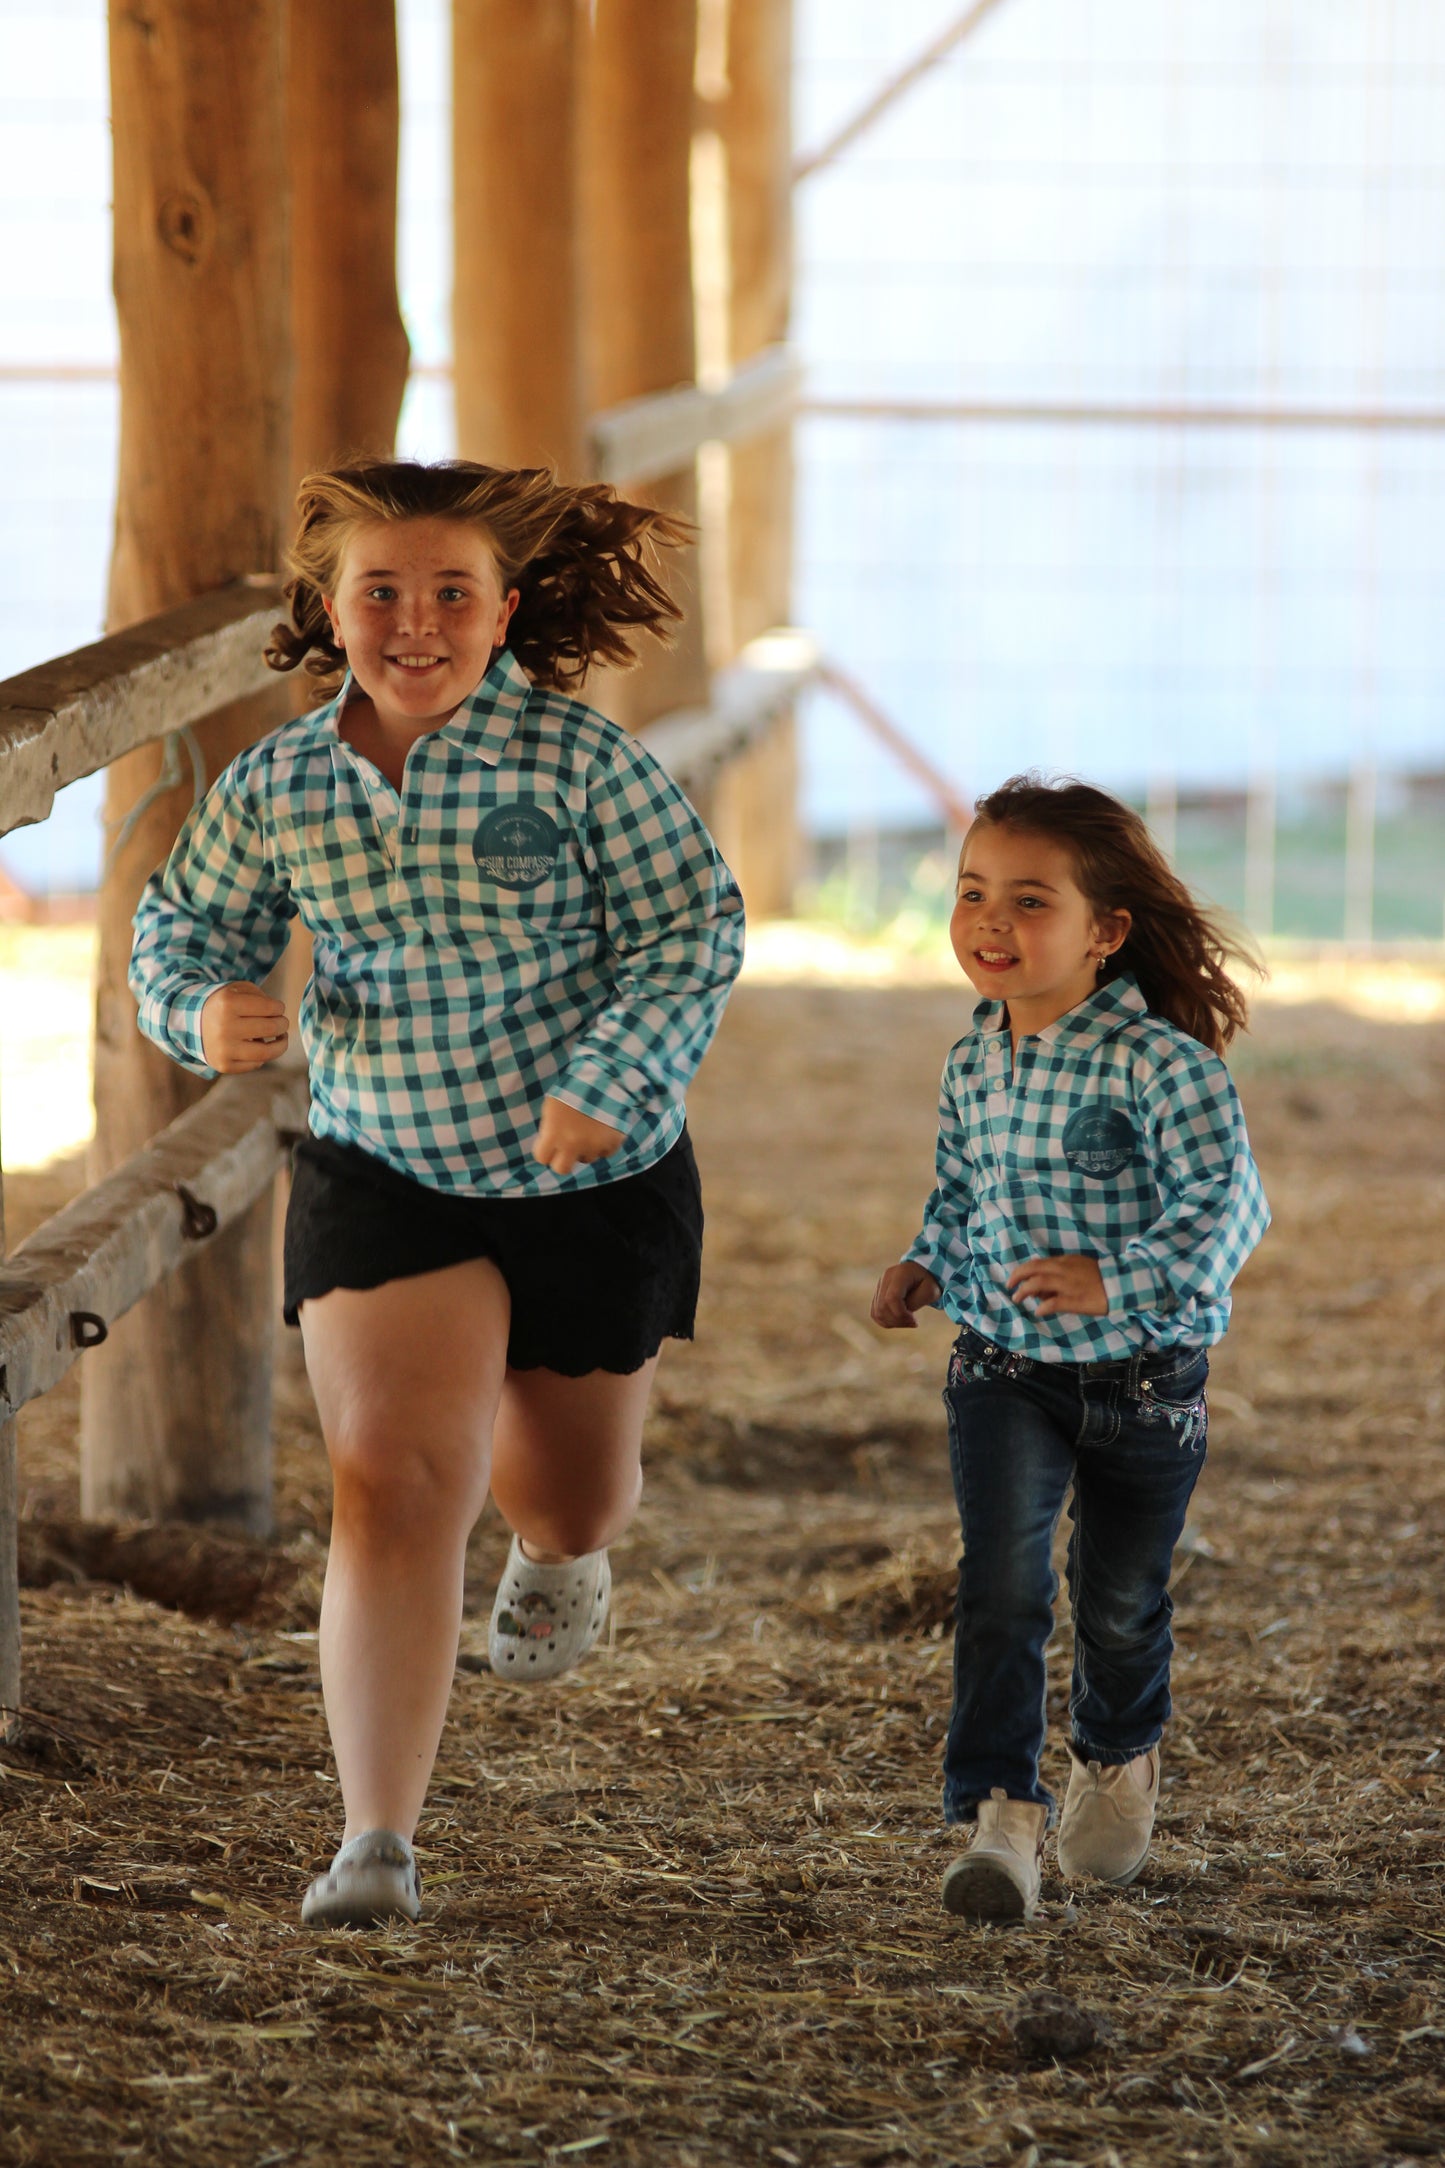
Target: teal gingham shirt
[
  {"x": 1113, "y": 1133},
  {"x": 541, "y": 913}
]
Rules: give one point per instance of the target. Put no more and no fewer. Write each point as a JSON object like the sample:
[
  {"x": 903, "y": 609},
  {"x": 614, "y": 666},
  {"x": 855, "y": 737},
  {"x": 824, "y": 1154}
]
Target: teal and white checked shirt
[
  {"x": 541, "y": 912},
  {"x": 1114, "y": 1134}
]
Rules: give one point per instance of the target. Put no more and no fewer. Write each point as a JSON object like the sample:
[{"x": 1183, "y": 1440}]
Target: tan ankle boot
[
  {"x": 1108, "y": 1819},
  {"x": 998, "y": 1876}
]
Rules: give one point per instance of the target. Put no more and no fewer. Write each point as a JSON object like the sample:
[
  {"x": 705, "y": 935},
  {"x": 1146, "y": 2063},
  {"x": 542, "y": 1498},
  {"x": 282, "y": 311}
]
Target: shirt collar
[
  {"x": 1093, "y": 1018},
  {"x": 486, "y": 718},
  {"x": 484, "y": 721}
]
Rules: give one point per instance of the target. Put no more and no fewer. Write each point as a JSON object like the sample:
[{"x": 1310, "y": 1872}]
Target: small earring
[{"x": 1104, "y": 958}]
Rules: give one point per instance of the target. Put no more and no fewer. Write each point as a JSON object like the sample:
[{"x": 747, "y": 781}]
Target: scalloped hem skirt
[{"x": 599, "y": 1277}]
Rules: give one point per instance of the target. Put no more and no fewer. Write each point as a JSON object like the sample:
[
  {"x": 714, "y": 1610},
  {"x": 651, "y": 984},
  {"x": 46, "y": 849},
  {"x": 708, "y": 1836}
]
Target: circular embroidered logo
[
  {"x": 516, "y": 845},
  {"x": 1099, "y": 1141}
]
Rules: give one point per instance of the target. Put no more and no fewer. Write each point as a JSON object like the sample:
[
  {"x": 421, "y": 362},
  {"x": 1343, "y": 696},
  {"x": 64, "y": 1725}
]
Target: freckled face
[
  {"x": 420, "y": 611},
  {"x": 1022, "y": 928}
]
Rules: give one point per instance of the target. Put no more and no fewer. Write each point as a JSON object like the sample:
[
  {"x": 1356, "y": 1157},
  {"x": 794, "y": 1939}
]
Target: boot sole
[
  {"x": 1075, "y": 1872},
  {"x": 977, "y": 1889}
]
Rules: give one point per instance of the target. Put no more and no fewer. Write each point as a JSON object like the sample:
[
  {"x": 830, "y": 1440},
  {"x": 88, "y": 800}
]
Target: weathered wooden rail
[
  {"x": 645, "y": 438},
  {"x": 63, "y": 1288},
  {"x": 68, "y": 718}
]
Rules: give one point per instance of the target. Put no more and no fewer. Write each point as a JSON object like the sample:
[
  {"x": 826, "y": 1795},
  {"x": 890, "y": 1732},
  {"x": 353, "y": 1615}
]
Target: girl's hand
[
  {"x": 902, "y": 1290},
  {"x": 242, "y": 1028},
  {"x": 1058, "y": 1284},
  {"x": 566, "y": 1138}
]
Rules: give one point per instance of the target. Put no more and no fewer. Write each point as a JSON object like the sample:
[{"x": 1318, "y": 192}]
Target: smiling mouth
[
  {"x": 994, "y": 959},
  {"x": 416, "y": 662}
]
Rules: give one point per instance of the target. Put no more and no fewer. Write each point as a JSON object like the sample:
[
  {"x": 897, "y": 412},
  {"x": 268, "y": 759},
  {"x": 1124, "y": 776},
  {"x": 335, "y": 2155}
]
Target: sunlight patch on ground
[
  {"x": 46, "y": 1009},
  {"x": 810, "y": 952},
  {"x": 1393, "y": 990},
  {"x": 46, "y": 1018}
]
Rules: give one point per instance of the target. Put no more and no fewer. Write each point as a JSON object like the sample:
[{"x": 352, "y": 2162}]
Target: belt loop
[{"x": 1132, "y": 1372}]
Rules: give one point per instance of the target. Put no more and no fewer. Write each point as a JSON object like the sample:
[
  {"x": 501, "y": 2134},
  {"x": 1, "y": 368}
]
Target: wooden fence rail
[
  {"x": 751, "y": 695},
  {"x": 644, "y": 438},
  {"x": 64, "y": 1287},
  {"x": 69, "y": 718}
]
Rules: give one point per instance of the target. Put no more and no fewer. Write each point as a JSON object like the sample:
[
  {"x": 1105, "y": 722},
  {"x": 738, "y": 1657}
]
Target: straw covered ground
[{"x": 682, "y": 1906}]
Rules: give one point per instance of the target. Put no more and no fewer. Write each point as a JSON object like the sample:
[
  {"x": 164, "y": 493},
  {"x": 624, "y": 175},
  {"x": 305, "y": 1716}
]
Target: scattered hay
[
  {"x": 682, "y": 1906},
  {"x": 234, "y": 1580},
  {"x": 890, "y": 1595},
  {"x": 1048, "y": 2028},
  {"x": 748, "y": 1452}
]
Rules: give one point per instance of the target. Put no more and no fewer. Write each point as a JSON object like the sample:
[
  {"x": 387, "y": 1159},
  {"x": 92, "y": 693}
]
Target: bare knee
[
  {"x": 583, "y": 1520},
  {"x": 391, "y": 1493}
]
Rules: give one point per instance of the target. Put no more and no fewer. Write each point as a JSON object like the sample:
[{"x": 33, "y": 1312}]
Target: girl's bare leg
[
  {"x": 407, "y": 1378},
  {"x": 567, "y": 1458}
]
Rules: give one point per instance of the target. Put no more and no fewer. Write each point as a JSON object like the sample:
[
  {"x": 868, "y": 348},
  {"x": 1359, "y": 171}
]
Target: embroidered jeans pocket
[
  {"x": 965, "y": 1368},
  {"x": 1177, "y": 1402}
]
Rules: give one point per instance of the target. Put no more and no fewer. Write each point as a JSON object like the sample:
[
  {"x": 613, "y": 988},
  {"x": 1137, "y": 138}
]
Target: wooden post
[
  {"x": 9, "y": 1562},
  {"x": 517, "y": 330},
  {"x": 175, "y": 1408},
  {"x": 755, "y": 809},
  {"x": 351, "y": 351},
  {"x": 636, "y": 168}
]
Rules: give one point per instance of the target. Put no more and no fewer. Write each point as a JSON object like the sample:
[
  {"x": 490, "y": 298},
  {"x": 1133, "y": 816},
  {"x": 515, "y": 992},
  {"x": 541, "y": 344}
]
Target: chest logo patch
[
  {"x": 1099, "y": 1141},
  {"x": 516, "y": 845}
]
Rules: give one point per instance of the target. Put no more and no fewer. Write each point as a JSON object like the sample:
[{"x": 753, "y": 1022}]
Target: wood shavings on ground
[{"x": 682, "y": 1906}]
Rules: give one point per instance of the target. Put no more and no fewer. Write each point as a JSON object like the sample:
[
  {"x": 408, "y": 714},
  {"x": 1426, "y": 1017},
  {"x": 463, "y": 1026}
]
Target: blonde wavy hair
[{"x": 582, "y": 559}]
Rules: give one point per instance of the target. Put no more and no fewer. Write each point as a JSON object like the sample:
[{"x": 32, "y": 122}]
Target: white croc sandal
[
  {"x": 372, "y": 1879},
  {"x": 546, "y": 1618}
]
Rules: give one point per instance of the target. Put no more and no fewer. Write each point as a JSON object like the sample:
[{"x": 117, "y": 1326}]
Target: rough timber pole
[
  {"x": 9, "y": 1573},
  {"x": 516, "y": 84},
  {"x": 636, "y": 169},
  {"x": 175, "y": 1408},
  {"x": 351, "y": 352},
  {"x": 756, "y": 806}
]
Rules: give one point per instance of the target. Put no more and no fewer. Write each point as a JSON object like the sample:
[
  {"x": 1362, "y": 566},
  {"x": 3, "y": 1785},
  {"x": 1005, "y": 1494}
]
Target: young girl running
[
  {"x": 523, "y": 940},
  {"x": 1095, "y": 1198}
]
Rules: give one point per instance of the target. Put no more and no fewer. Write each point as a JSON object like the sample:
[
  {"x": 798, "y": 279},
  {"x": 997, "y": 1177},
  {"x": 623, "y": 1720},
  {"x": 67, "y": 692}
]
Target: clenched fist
[
  {"x": 902, "y": 1290},
  {"x": 242, "y": 1028},
  {"x": 567, "y": 1138}
]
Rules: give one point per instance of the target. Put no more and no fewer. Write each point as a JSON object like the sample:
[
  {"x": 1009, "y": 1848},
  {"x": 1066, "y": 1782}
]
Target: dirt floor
[{"x": 682, "y": 1905}]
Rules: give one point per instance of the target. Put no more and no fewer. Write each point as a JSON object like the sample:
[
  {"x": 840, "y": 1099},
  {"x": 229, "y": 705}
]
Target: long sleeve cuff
[
  {"x": 1134, "y": 1283},
  {"x": 176, "y": 1024},
  {"x": 928, "y": 1253},
  {"x": 592, "y": 1088}
]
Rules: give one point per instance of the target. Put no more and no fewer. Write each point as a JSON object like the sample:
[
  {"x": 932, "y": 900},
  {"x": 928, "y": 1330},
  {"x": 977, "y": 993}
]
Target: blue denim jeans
[{"x": 1130, "y": 1439}]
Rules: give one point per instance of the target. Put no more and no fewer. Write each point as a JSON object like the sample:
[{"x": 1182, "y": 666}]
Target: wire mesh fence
[{"x": 1131, "y": 465}]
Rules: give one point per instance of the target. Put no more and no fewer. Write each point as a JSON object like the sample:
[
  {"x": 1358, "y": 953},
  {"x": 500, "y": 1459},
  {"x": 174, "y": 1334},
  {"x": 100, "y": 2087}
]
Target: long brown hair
[
  {"x": 581, "y": 557},
  {"x": 1175, "y": 947}
]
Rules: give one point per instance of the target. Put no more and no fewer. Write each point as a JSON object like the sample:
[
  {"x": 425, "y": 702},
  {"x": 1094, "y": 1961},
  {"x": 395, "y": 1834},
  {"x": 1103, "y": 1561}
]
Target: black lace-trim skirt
[{"x": 599, "y": 1277}]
